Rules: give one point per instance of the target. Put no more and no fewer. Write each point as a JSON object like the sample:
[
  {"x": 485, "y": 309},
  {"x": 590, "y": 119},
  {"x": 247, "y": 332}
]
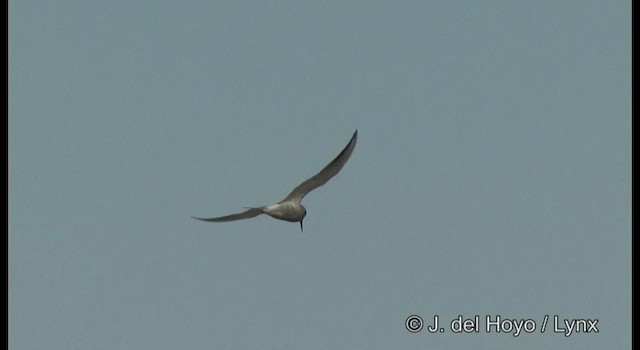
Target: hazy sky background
[{"x": 491, "y": 175}]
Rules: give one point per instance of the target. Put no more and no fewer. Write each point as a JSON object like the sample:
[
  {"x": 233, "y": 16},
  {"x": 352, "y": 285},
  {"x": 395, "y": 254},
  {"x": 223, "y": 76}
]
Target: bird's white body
[
  {"x": 288, "y": 211},
  {"x": 290, "y": 208}
]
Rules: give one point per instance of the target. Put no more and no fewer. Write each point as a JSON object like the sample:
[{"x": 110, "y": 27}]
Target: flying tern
[{"x": 290, "y": 208}]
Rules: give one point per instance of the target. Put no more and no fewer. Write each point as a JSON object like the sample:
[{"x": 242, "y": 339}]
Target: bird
[{"x": 290, "y": 208}]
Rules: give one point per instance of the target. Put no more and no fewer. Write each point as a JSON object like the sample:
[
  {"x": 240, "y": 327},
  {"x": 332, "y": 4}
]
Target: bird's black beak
[{"x": 301, "y": 230}]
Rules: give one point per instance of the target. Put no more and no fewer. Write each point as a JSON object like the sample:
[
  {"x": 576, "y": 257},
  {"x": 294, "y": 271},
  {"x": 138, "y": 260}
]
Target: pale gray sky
[{"x": 491, "y": 175}]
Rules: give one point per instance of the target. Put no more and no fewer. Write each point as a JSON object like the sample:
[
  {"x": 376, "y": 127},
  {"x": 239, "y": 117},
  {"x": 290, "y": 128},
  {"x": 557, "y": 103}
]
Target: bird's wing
[
  {"x": 247, "y": 214},
  {"x": 325, "y": 174}
]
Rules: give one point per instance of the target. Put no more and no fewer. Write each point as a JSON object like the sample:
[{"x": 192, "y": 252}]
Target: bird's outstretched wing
[
  {"x": 325, "y": 174},
  {"x": 247, "y": 214}
]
